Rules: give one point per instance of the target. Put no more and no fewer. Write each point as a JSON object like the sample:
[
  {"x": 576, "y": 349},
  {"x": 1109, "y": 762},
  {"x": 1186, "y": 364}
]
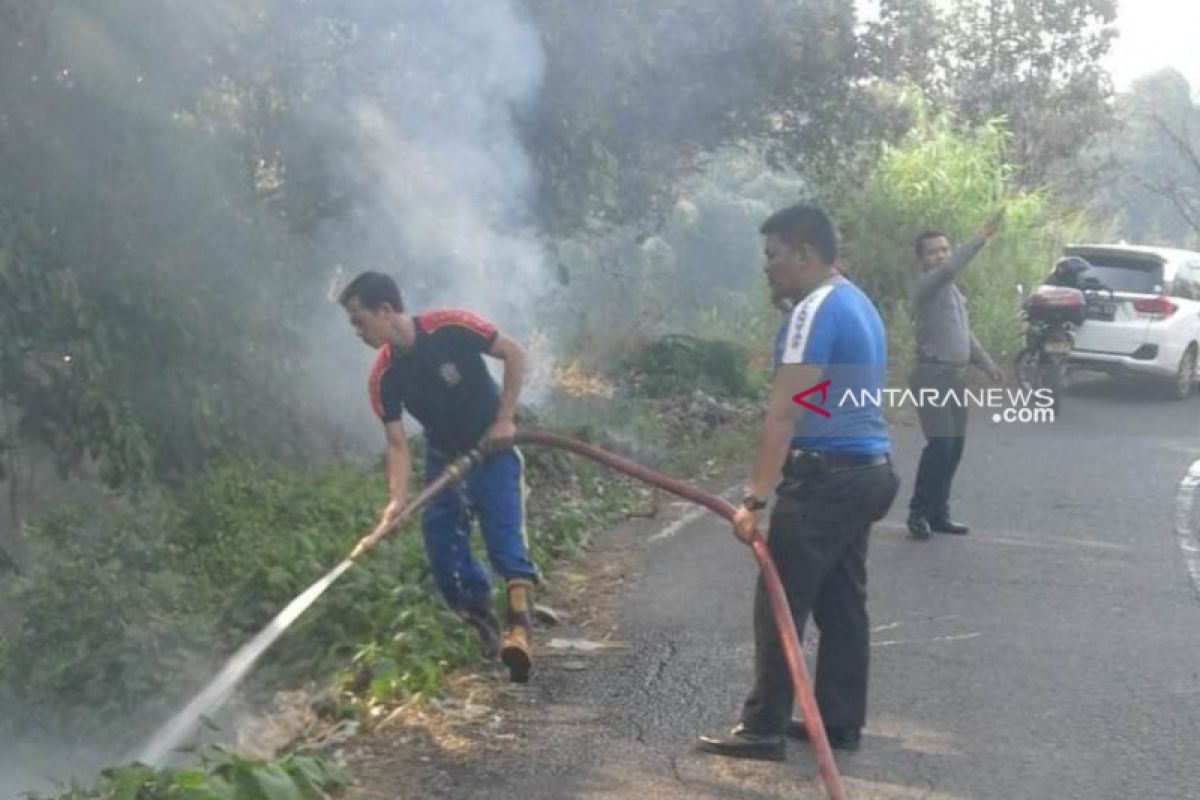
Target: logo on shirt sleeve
[
  {"x": 799, "y": 328},
  {"x": 450, "y": 374},
  {"x": 801, "y": 325}
]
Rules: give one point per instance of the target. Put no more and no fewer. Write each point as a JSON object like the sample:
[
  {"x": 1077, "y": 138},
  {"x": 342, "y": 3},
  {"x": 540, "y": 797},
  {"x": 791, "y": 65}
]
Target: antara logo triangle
[{"x": 823, "y": 388}]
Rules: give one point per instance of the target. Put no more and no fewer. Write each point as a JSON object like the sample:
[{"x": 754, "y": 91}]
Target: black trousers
[
  {"x": 945, "y": 429},
  {"x": 818, "y": 539}
]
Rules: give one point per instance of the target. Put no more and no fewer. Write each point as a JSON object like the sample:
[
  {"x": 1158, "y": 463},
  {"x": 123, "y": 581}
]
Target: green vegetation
[
  {"x": 172, "y": 583},
  {"x": 137, "y": 606},
  {"x": 677, "y": 363},
  {"x": 222, "y": 776}
]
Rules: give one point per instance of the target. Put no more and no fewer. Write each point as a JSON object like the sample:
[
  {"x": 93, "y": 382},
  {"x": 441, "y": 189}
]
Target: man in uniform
[
  {"x": 837, "y": 481},
  {"x": 945, "y": 348},
  {"x": 431, "y": 365}
]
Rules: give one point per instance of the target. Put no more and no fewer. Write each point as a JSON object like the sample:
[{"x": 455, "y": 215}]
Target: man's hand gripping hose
[{"x": 455, "y": 471}]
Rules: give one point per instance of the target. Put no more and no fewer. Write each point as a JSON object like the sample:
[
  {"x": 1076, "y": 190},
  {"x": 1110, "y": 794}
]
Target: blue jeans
[{"x": 492, "y": 492}]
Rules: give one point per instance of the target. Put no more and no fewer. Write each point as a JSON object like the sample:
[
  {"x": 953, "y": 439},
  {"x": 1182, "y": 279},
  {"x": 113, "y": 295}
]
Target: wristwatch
[{"x": 753, "y": 503}]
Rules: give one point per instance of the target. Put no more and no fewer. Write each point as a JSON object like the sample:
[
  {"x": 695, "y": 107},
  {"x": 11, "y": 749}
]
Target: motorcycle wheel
[
  {"x": 1028, "y": 369},
  {"x": 1052, "y": 378}
]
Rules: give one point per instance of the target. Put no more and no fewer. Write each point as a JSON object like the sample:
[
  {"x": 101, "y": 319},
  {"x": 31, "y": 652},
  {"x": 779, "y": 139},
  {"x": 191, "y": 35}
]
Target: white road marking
[
  {"x": 962, "y": 637},
  {"x": 1043, "y": 541},
  {"x": 1186, "y": 523},
  {"x": 687, "y": 519}
]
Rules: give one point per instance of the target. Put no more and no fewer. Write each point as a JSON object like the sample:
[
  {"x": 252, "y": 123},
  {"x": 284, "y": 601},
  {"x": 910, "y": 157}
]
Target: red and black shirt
[{"x": 441, "y": 380}]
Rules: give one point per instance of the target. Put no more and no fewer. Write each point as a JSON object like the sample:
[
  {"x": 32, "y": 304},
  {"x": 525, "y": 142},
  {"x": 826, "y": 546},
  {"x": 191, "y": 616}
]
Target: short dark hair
[
  {"x": 373, "y": 289},
  {"x": 804, "y": 223},
  {"x": 924, "y": 236}
]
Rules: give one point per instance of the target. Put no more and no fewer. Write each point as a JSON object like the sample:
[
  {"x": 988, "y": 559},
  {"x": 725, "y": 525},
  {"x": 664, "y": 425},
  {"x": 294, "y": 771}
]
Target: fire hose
[{"x": 815, "y": 728}]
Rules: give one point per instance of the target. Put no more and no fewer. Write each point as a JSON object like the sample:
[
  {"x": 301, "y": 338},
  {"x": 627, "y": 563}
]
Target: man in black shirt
[{"x": 432, "y": 365}]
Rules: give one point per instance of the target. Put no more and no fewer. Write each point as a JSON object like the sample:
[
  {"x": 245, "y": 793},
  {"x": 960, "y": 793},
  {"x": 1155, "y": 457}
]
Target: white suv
[{"x": 1143, "y": 313}]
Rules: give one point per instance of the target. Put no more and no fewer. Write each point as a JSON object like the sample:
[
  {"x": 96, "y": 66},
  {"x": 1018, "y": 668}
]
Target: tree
[
  {"x": 637, "y": 95},
  {"x": 1151, "y": 160},
  {"x": 944, "y": 175},
  {"x": 1037, "y": 63},
  {"x": 139, "y": 337},
  {"x": 909, "y": 43}
]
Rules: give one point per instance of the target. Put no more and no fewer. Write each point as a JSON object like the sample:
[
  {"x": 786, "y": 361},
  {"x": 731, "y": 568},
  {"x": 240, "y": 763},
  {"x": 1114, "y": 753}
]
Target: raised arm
[{"x": 932, "y": 280}]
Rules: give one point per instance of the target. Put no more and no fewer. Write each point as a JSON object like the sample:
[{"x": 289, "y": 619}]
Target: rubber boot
[
  {"x": 480, "y": 616},
  {"x": 515, "y": 650}
]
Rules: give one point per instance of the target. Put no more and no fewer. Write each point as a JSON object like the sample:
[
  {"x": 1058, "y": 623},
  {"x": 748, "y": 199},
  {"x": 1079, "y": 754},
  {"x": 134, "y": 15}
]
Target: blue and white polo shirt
[{"x": 838, "y": 328}]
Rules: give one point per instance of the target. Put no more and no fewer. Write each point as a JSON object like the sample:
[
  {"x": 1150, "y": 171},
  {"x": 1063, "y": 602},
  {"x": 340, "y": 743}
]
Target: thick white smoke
[{"x": 453, "y": 186}]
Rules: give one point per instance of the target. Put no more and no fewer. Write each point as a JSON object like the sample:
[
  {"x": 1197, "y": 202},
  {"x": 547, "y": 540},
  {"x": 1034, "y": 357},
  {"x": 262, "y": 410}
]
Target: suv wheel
[{"x": 1185, "y": 375}]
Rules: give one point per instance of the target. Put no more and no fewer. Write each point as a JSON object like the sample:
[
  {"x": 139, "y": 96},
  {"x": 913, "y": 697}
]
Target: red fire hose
[
  {"x": 779, "y": 605},
  {"x": 458, "y": 469}
]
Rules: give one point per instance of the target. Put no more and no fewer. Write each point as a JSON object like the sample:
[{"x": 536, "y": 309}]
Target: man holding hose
[
  {"x": 431, "y": 365},
  {"x": 837, "y": 481}
]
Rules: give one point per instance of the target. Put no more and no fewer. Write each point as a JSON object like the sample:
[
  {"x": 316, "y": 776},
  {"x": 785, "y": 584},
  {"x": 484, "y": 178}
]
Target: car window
[
  {"x": 1187, "y": 282},
  {"x": 1183, "y": 285},
  {"x": 1122, "y": 273}
]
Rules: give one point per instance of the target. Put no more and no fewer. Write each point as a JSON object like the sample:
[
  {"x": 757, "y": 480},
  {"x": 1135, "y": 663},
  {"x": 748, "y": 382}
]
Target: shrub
[
  {"x": 223, "y": 776},
  {"x": 679, "y": 364}
]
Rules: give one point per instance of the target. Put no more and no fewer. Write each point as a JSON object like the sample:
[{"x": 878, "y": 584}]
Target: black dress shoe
[
  {"x": 947, "y": 525},
  {"x": 839, "y": 738},
  {"x": 741, "y": 743},
  {"x": 918, "y": 527}
]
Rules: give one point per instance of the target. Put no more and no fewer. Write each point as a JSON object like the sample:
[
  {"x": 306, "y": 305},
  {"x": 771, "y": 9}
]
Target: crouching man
[{"x": 431, "y": 365}]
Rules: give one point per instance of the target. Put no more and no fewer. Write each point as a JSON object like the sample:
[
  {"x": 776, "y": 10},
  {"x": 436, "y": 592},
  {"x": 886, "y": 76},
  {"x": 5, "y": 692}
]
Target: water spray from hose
[{"x": 176, "y": 731}]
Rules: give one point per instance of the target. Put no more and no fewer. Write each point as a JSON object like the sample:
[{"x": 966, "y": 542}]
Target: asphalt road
[{"x": 1053, "y": 653}]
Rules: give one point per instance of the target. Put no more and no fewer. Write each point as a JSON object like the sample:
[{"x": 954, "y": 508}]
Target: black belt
[{"x": 834, "y": 460}]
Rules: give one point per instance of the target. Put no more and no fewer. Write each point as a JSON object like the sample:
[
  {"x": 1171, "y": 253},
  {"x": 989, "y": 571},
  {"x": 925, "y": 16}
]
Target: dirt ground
[{"x": 413, "y": 751}]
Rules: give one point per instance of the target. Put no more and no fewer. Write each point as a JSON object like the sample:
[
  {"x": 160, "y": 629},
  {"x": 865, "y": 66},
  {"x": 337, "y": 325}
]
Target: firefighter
[{"x": 431, "y": 365}]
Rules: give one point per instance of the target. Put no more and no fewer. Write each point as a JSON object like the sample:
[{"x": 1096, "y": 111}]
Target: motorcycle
[{"x": 1051, "y": 315}]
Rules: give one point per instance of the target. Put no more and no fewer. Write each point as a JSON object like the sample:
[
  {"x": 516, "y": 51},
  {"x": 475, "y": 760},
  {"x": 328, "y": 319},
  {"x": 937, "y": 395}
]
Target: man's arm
[
  {"x": 929, "y": 282},
  {"x": 513, "y": 357},
  {"x": 399, "y": 467},
  {"x": 775, "y": 437},
  {"x": 981, "y": 359}
]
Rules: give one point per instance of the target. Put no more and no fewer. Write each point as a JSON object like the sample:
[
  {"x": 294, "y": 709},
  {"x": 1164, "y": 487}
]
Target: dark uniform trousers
[
  {"x": 818, "y": 540},
  {"x": 945, "y": 428}
]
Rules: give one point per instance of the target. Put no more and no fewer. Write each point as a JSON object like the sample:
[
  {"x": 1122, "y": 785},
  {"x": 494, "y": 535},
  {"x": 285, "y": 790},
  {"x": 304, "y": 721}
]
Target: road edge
[{"x": 1187, "y": 523}]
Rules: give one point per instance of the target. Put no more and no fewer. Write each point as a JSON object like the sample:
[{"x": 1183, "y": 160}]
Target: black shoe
[
  {"x": 839, "y": 738},
  {"x": 947, "y": 525},
  {"x": 918, "y": 527},
  {"x": 741, "y": 743}
]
